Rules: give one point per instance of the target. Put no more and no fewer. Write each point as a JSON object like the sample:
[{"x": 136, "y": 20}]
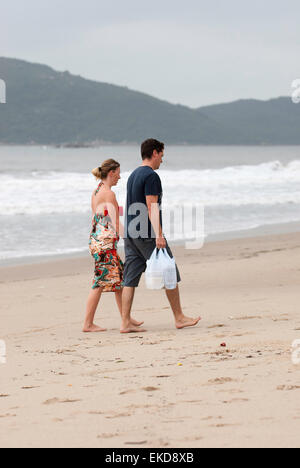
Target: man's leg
[
  {"x": 181, "y": 321},
  {"x": 134, "y": 267},
  {"x": 127, "y": 301},
  {"x": 119, "y": 304}
]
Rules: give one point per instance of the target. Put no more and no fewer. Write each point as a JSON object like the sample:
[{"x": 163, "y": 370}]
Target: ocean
[{"x": 45, "y": 192}]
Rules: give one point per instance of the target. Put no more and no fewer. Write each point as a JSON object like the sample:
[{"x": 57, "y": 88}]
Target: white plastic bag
[
  {"x": 155, "y": 270},
  {"x": 161, "y": 271},
  {"x": 170, "y": 273}
]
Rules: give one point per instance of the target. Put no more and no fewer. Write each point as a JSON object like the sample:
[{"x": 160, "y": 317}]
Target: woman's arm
[
  {"x": 113, "y": 211},
  {"x": 122, "y": 231}
]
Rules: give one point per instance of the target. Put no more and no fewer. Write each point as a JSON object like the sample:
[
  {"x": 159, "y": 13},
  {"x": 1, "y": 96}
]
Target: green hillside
[{"x": 49, "y": 107}]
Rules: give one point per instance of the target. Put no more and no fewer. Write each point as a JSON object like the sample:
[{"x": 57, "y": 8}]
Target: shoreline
[
  {"x": 266, "y": 230},
  {"x": 83, "y": 263}
]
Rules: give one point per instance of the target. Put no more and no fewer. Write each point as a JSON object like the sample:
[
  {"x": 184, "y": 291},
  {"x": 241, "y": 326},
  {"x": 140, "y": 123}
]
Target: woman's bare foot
[
  {"x": 93, "y": 329},
  {"x": 185, "y": 322},
  {"x": 128, "y": 327},
  {"x": 135, "y": 323}
]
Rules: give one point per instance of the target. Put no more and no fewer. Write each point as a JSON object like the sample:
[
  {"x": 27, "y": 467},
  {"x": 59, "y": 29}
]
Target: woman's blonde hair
[{"x": 107, "y": 166}]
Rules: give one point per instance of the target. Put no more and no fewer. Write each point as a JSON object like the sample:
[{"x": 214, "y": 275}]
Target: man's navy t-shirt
[{"x": 143, "y": 181}]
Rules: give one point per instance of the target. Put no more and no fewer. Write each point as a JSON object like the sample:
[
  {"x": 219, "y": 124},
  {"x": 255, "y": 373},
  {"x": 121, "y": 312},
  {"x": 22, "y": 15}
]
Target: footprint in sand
[
  {"x": 236, "y": 400},
  {"x": 209, "y": 418},
  {"x": 288, "y": 387},
  {"x": 239, "y": 335},
  {"x": 150, "y": 389},
  {"x": 143, "y": 442},
  {"x": 221, "y": 381},
  {"x": 191, "y": 401},
  {"x": 54, "y": 401},
  {"x": 235, "y": 390},
  {"x": 65, "y": 351},
  {"x": 224, "y": 425},
  {"x": 250, "y": 317},
  {"x": 126, "y": 392},
  {"x": 28, "y": 388},
  {"x": 193, "y": 439},
  {"x": 107, "y": 436},
  {"x": 120, "y": 415}
]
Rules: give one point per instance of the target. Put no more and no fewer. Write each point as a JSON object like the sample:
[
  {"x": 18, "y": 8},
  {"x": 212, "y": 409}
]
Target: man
[{"x": 144, "y": 232}]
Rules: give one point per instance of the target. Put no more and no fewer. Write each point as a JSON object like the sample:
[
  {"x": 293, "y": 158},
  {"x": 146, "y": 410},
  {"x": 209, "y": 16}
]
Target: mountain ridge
[{"x": 45, "y": 106}]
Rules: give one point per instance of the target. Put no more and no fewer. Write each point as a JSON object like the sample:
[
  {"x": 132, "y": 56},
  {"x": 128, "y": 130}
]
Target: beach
[{"x": 165, "y": 388}]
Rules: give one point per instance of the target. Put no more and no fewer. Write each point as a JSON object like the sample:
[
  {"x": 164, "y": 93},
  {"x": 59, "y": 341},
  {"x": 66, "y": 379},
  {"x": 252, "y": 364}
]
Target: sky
[{"x": 193, "y": 52}]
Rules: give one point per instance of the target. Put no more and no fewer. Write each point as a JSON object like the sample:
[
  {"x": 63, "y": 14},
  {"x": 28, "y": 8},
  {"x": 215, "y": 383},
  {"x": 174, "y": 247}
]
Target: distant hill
[
  {"x": 273, "y": 122},
  {"x": 49, "y": 107}
]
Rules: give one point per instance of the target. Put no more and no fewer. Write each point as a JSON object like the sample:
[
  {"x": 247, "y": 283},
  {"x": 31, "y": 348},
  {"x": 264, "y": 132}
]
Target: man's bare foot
[
  {"x": 130, "y": 328},
  {"x": 135, "y": 323},
  {"x": 93, "y": 329},
  {"x": 185, "y": 322}
]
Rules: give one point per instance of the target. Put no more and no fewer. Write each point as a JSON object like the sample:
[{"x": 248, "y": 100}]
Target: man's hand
[{"x": 161, "y": 243}]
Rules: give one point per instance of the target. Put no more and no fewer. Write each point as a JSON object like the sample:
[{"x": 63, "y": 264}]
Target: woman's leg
[
  {"x": 118, "y": 295},
  {"x": 92, "y": 304}
]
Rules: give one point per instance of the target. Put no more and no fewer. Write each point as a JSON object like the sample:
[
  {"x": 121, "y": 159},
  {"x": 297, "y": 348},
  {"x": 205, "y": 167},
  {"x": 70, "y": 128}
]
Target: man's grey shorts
[{"x": 137, "y": 252}]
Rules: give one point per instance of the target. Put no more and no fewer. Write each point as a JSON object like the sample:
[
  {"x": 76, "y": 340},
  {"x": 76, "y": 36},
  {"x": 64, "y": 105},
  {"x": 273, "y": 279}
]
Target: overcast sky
[{"x": 193, "y": 52}]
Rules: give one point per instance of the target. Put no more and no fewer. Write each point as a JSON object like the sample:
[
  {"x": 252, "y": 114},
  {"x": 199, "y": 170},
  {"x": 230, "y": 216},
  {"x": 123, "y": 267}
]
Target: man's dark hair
[{"x": 149, "y": 146}]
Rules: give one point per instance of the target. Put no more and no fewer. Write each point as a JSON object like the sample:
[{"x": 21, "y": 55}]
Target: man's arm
[{"x": 154, "y": 216}]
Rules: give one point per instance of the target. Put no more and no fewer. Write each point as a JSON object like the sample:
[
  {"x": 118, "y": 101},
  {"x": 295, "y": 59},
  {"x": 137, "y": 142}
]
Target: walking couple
[{"x": 142, "y": 234}]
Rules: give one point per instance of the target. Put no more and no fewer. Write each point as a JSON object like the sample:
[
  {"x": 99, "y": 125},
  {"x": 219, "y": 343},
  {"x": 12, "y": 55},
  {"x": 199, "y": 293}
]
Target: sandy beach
[{"x": 165, "y": 388}]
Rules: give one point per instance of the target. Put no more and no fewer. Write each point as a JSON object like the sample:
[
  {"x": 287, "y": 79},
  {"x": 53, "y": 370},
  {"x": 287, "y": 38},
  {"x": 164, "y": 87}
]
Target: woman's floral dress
[{"x": 103, "y": 247}]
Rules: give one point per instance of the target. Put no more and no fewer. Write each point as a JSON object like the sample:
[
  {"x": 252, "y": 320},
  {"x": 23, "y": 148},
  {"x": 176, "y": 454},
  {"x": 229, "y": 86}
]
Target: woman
[{"x": 104, "y": 243}]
